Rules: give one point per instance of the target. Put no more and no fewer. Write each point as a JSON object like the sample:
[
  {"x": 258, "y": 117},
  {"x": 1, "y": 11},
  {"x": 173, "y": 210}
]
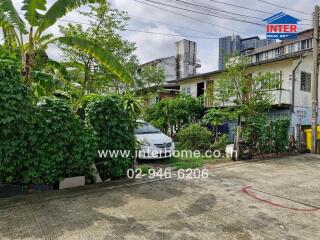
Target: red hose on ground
[{"x": 247, "y": 192}]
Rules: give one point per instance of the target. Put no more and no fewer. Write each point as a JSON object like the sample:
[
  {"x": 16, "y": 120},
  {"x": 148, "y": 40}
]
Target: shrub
[
  {"x": 280, "y": 129},
  {"x": 15, "y": 108},
  {"x": 62, "y": 146},
  {"x": 194, "y": 137},
  {"x": 114, "y": 130},
  {"x": 267, "y": 136},
  {"x": 174, "y": 114},
  {"x": 220, "y": 142}
]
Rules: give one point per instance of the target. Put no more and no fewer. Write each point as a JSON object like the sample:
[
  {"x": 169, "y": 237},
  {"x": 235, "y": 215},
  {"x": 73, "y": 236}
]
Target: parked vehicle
[{"x": 153, "y": 143}]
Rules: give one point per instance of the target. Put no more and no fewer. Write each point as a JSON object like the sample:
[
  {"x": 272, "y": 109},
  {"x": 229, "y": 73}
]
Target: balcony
[{"x": 280, "y": 98}]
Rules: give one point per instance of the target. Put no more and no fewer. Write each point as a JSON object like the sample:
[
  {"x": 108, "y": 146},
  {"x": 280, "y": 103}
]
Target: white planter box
[{"x": 72, "y": 182}]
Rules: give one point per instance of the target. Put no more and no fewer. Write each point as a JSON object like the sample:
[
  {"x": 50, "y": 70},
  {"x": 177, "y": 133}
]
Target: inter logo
[{"x": 282, "y": 26}]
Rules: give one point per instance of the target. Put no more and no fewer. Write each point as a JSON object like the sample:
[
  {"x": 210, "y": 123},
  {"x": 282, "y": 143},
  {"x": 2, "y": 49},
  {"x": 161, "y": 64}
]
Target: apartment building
[
  {"x": 236, "y": 45},
  {"x": 290, "y": 61}
]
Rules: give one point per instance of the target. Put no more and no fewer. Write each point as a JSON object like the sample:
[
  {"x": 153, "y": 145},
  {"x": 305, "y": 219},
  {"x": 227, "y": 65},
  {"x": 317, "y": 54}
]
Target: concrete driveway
[{"x": 282, "y": 203}]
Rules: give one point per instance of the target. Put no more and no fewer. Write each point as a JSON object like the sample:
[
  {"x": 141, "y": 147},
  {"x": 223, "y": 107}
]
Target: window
[
  {"x": 305, "y": 82},
  {"x": 306, "y": 44},
  {"x": 277, "y": 78},
  {"x": 279, "y": 51},
  {"x": 186, "y": 90}
]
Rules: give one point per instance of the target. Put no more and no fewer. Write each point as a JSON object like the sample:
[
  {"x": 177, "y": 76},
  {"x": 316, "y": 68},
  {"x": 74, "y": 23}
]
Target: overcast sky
[{"x": 152, "y": 19}]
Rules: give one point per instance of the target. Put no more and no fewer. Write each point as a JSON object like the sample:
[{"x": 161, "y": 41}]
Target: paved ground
[{"x": 284, "y": 197}]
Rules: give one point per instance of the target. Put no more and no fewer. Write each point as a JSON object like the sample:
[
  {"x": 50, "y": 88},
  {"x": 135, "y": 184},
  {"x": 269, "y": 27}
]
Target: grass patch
[
  {"x": 144, "y": 169},
  {"x": 193, "y": 162}
]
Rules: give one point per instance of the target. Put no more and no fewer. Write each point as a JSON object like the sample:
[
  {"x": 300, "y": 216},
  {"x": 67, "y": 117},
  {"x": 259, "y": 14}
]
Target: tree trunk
[
  {"x": 27, "y": 68},
  {"x": 85, "y": 81},
  {"x": 237, "y": 142}
]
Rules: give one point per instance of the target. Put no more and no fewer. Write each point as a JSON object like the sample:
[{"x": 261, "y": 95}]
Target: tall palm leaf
[
  {"x": 59, "y": 9},
  {"x": 31, "y": 7},
  {"x": 99, "y": 53},
  {"x": 6, "y": 6}
]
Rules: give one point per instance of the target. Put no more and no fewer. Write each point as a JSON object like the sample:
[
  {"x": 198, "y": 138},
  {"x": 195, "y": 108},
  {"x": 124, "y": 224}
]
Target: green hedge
[
  {"x": 42, "y": 143},
  {"x": 62, "y": 146},
  {"x": 15, "y": 121},
  {"x": 114, "y": 130},
  {"x": 267, "y": 136}
]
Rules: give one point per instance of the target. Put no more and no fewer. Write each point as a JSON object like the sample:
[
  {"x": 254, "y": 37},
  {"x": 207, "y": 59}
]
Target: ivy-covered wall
[{"x": 43, "y": 141}]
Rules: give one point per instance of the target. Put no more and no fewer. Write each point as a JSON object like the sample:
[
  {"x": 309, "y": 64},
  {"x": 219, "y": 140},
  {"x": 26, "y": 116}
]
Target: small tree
[
  {"x": 174, "y": 114},
  {"x": 216, "y": 117},
  {"x": 151, "y": 76},
  {"x": 242, "y": 93}
]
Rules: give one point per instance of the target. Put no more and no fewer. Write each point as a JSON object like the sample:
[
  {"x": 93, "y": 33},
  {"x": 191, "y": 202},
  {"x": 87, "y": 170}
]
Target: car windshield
[{"x": 144, "y": 128}]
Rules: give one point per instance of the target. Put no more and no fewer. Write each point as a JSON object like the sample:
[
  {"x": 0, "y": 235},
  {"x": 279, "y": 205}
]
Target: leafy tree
[
  {"x": 151, "y": 76},
  {"x": 174, "y": 114},
  {"x": 15, "y": 27},
  {"x": 242, "y": 93},
  {"x": 216, "y": 117},
  {"x": 105, "y": 23}
]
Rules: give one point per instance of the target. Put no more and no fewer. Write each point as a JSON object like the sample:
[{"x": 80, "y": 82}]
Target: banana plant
[{"x": 33, "y": 26}]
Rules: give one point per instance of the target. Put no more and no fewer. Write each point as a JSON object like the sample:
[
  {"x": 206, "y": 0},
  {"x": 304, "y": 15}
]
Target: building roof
[
  {"x": 156, "y": 61},
  {"x": 306, "y": 34},
  {"x": 281, "y": 58},
  {"x": 249, "y": 38}
]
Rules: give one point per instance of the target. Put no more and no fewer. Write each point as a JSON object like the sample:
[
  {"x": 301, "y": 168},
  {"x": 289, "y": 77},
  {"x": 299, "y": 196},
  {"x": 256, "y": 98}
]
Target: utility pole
[{"x": 314, "y": 84}]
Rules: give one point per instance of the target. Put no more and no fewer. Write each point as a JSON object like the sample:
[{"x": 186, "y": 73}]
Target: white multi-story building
[{"x": 290, "y": 61}]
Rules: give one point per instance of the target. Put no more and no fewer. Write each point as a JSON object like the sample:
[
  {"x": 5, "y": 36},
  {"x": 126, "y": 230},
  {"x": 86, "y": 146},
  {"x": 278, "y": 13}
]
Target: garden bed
[{"x": 11, "y": 190}]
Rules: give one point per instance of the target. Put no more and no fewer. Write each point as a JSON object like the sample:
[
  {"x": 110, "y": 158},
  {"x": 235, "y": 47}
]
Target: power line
[
  {"x": 134, "y": 30},
  {"x": 276, "y": 5},
  {"x": 212, "y": 15},
  {"x": 255, "y": 10},
  {"x": 203, "y": 13},
  {"x": 152, "y": 21},
  {"x": 210, "y": 8},
  {"x": 214, "y": 9},
  {"x": 147, "y": 32},
  {"x": 195, "y": 19},
  {"x": 169, "y": 34}
]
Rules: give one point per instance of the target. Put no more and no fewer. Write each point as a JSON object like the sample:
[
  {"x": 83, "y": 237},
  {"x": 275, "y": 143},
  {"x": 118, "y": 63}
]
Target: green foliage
[
  {"x": 114, "y": 130},
  {"x": 6, "y": 6},
  {"x": 14, "y": 31},
  {"x": 216, "y": 116},
  {"x": 267, "y": 136},
  {"x": 15, "y": 108},
  {"x": 144, "y": 169},
  {"x": 194, "y": 137},
  {"x": 237, "y": 88},
  {"x": 174, "y": 114},
  {"x": 31, "y": 7},
  {"x": 105, "y": 23},
  {"x": 220, "y": 142},
  {"x": 280, "y": 129},
  {"x": 151, "y": 76},
  {"x": 98, "y": 52},
  {"x": 43, "y": 143},
  {"x": 58, "y": 10},
  {"x": 133, "y": 105},
  {"x": 62, "y": 146}
]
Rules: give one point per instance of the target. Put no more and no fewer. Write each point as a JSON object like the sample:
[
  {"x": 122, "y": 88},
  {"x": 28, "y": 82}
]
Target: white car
[{"x": 153, "y": 143}]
